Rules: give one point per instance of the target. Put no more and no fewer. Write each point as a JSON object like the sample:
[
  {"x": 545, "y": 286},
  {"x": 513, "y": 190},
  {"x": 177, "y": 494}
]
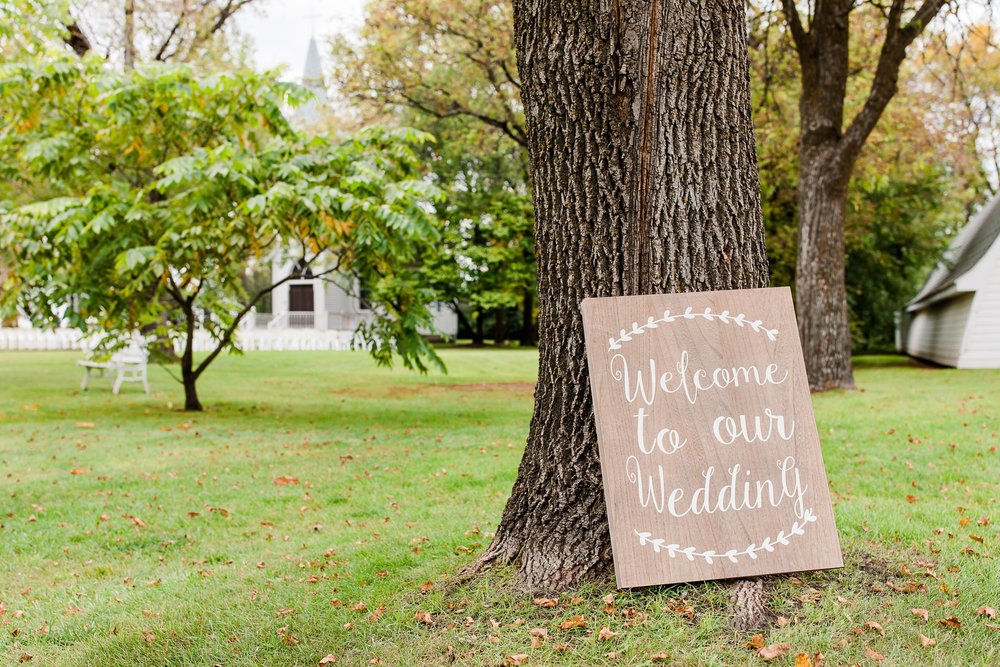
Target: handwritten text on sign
[{"x": 709, "y": 451}]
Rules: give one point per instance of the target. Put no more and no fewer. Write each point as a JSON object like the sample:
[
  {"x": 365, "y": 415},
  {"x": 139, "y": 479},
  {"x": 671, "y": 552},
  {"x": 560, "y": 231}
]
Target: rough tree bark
[
  {"x": 645, "y": 180},
  {"x": 827, "y": 154}
]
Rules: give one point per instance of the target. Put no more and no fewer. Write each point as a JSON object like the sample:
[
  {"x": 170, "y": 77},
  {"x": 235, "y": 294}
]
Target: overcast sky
[{"x": 280, "y": 29}]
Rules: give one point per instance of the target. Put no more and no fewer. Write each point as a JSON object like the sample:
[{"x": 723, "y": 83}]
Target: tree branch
[
  {"x": 227, "y": 335},
  {"x": 802, "y": 38},
  {"x": 884, "y": 84},
  {"x": 77, "y": 39}
]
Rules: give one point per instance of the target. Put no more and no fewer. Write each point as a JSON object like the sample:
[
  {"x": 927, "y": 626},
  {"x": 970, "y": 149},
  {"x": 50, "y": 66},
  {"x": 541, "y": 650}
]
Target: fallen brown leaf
[
  {"x": 546, "y": 602},
  {"x": 872, "y": 625},
  {"x": 662, "y": 656},
  {"x": 986, "y": 611},
  {"x": 803, "y": 660},
  {"x": 922, "y": 613},
  {"x": 773, "y": 651},
  {"x": 517, "y": 659},
  {"x": 755, "y": 643},
  {"x": 874, "y": 655},
  {"x": 573, "y": 622},
  {"x": 424, "y": 617},
  {"x": 286, "y": 479},
  {"x": 952, "y": 622},
  {"x": 328, "y": 659},
  {"x": 927, "y": 642},
  {"x": 605, "y": 633}
]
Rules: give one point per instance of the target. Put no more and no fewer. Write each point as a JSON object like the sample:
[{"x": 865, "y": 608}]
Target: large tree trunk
[
  {"x": 645, "y": 180},
  {"x": 820, "y": 289}
]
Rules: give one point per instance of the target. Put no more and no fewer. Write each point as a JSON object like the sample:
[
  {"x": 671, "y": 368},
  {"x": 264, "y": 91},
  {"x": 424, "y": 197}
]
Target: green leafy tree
[
  {"x": 913, "y": 184},
  {"x": 448, "y": 67},
  {"x": 486, "y": 260},
  {"x": 169, "y": 185}
]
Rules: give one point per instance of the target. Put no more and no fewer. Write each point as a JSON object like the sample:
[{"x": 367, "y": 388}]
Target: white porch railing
[{"x": 248, "y": 339}]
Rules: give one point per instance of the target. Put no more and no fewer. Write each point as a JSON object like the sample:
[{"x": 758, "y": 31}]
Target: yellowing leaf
[{"x": 803, "y": 660}]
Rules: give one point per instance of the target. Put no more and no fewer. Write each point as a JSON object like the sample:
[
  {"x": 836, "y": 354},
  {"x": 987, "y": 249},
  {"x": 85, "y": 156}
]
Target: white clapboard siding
[
  {"x": 936, "y": 332},
  {"x": 982, "y": 340}
]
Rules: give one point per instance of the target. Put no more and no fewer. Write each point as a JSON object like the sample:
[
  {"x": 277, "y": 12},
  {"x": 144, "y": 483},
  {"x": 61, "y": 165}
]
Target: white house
[
  {"x": 336, "y": 304},
  {"x": 955, "y": 318}
]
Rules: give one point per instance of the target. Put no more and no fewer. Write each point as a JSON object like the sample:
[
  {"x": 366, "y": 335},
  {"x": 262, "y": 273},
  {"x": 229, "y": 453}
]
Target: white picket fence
[{"x": 249, "y": 340}]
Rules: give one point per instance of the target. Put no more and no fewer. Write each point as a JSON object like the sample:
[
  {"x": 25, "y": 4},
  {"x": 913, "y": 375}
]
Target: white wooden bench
[{"x": 126, "y": 366}]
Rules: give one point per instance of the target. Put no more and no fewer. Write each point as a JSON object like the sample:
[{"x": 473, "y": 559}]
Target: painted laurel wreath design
[
  {"x": 768, "y": 544},
  {"x": 725, "y": 317}
]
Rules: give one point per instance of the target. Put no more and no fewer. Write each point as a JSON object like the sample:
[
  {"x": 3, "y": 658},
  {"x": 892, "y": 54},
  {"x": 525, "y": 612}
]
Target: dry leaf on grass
[
  {"x": 874, "y": 655},
  {"x": 872, "y": 625},
  {"x": 756, "y": 642},
  {"x": 517, "y": 659},
  {"x": 662, "y": 656},
  {"x": 605, "y": 633},
  {"x": 573, "y": 622},
  {"x": 926, "y": 641},
  {"x": 546, "y": 602},
  {"x": 773, "y": 651},
  {"x": 424, "y": 617},
  {"x": 328, "y": 659},
  {"x": 922, "y": 613},
  {"x": 803, "y": 660},
  {"x": 952, "y": 622},
  {"x": 986, "y": 611}
]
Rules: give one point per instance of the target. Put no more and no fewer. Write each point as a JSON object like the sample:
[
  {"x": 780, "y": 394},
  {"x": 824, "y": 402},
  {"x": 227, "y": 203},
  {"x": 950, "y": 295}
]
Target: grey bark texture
[
  {"x": 645, "y": 180},
  {"x": 827, "y": 153}
]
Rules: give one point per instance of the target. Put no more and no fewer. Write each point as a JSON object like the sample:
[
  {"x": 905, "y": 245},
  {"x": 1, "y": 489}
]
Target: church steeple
[
  {"x": 312, "y": 74},
  {"x": 310, "y": 113}
]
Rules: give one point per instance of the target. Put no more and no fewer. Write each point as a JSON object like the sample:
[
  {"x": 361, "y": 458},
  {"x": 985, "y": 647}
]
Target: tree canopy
[{"x": 168, "y": 185}]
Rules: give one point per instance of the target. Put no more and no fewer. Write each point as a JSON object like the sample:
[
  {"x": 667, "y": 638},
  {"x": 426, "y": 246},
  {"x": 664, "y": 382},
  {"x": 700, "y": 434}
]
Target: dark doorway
[{"x": 300, "y": 298}]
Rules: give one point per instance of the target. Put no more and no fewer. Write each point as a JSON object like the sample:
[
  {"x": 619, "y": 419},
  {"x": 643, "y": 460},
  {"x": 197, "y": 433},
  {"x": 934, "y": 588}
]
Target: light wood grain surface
[{"x": 709, "y": 451}]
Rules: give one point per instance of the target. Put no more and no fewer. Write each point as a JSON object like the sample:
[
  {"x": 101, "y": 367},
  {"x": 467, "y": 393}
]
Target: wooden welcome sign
[{"x": 709, "y": 450}]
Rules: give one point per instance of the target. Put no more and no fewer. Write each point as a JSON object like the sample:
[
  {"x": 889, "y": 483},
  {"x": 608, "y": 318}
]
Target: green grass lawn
[{"x": 320, "y": 505}]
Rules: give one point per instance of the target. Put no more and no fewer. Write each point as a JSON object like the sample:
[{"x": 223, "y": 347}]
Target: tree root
[{"x": 748, "y": 611}]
